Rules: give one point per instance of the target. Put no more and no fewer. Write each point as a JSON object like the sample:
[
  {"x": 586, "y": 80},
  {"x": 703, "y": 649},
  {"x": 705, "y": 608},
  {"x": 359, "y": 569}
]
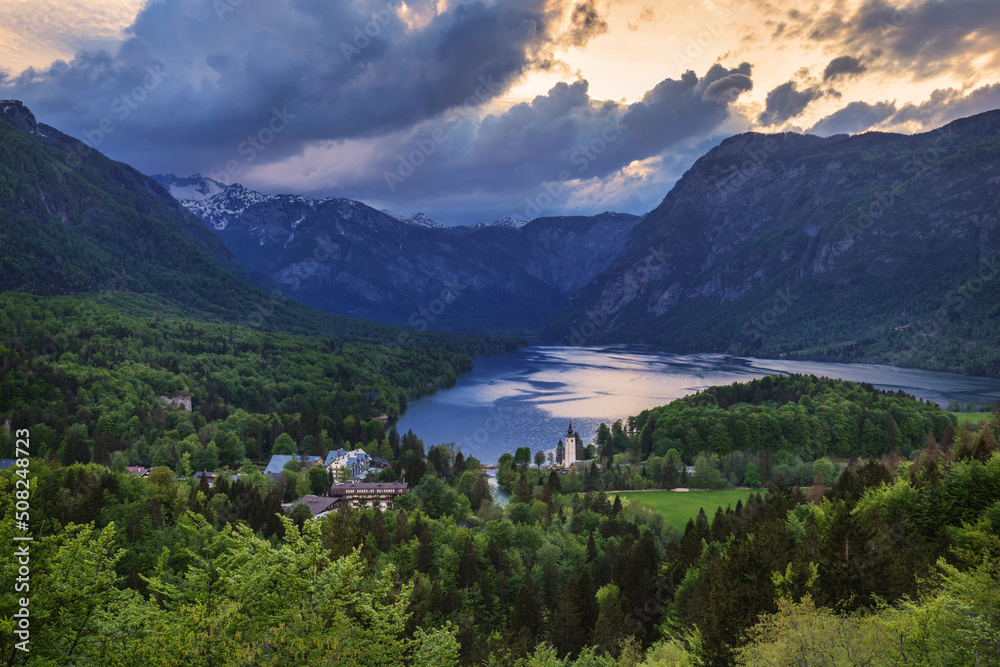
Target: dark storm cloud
[
  {"x": 786, "y": 102},
  {"x": 195, "y": 79},
  {"x": 843, "y": 66},
  {"x": 921, "y": 39},
  {"x": 586, "y": 22},
  {"x": 854, "y": 118},
  {"x": 949, "y": 104},
  {"x": 563, "y": 134}
]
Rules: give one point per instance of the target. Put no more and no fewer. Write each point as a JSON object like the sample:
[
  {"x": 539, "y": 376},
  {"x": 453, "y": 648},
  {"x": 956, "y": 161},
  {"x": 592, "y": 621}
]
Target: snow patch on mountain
[
  {"x": 508, "y": 223},
  {"x": 419, "y": 220},
  {"x": 192, "y": 188},
  {"x": 221, "y": 209}
]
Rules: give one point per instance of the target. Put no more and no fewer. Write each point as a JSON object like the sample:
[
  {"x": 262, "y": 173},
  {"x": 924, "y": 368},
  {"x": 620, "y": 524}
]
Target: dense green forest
[
  {"x": 895, "y": 562},
  {"x": 88, "y": 380},
  {"x": 792, "y": 426}
]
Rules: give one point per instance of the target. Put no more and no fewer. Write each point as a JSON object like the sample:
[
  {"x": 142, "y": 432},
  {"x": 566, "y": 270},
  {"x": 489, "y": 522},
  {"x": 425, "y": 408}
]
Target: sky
[{"x": 470, "y": 111}]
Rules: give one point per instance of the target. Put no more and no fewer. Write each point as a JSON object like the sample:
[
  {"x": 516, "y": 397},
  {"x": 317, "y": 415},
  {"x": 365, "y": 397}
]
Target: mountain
[
  {"x": 420, "y": 219},
  {"x": 514, "y": 223},
  {"x": 344, "y": 256},
  {"x": 193, "y": 188},
  {"x": 74, "y": 221},
  {"x": 876, "y": 247}
]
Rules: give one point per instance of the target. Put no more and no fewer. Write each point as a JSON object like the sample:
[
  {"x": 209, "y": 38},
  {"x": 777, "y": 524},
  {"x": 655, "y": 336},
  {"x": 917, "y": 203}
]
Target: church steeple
[{"x": 569, "y": 431}]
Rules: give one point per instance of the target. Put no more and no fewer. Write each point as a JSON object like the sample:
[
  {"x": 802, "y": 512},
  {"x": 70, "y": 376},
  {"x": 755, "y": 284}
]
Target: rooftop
[{"x": 316, "y": 504}]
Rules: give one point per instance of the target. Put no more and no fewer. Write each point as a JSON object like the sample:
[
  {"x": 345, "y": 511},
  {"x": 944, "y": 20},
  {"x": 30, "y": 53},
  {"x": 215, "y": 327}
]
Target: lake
[{"x": 529, "y": 397}]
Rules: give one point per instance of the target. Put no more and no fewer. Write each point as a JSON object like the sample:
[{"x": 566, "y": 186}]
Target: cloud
[
  {"x": 921, "y": 39},
  {"x": 845, "y": 66},
  {"x": 946, "y": 105},
  {"x": 786, "y": 102},
  {"x": 587, "y": 22},
  {"x": 498, "y": 160},
  {"x": 854, "y": 118},
  {"x": 647, "y": 15},
  {"x": 340, "y": 70}
]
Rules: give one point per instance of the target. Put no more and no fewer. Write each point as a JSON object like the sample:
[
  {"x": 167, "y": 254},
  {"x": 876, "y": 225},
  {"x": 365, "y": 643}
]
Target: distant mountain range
[
  {"x": 875, "y": 247},
  {"x": 506, "y": 276},
  {"x": 73, "y": 222}
]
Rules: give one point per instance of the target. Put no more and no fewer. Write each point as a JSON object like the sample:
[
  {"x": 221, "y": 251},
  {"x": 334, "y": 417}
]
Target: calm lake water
[{"x": 528, "y": 398}]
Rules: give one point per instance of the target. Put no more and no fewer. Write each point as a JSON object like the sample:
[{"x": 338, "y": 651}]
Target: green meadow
[
  {"x": 678, "y": 507},
  {"x": 972, "y": 417}
]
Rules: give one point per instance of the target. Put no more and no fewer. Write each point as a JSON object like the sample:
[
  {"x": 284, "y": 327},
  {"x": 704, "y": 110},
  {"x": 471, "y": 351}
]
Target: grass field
[
  {"x": 973, "y": 417},
  {"x": 677, "y": 508}
]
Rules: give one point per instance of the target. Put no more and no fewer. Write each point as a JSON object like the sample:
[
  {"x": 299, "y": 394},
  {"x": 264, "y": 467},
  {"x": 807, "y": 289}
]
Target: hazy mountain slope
[
  {"x": 877, "y": 247},
  {"x": 344, "y": 256},
  {"x": 74, "y": 221}
]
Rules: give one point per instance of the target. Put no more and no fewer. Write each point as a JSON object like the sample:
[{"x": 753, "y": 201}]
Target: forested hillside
[
  {"x": 347, "y": 257},
  {"x": 875, "y": 247},
  {"x": 894, "y": 563},
  {"x": 88, "y": 378},
  {"x": 114, "y": 297}
]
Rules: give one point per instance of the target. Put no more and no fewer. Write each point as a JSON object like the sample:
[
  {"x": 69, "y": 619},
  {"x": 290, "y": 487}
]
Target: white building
[
  {"x": 357, "y": 461},
  {"x": 570, "y": 442}
]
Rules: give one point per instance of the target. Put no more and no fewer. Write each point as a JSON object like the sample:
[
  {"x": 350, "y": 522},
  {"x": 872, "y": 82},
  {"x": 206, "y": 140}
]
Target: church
[{"x": 566, "y": 451}]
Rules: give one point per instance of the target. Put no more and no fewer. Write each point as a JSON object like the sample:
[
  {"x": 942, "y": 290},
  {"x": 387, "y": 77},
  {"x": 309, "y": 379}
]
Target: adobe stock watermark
[
  {"x": 223, "y": 7},
  {"x": 420, "y": 320},
  {"x": 472, "y": 443},
  {"x": 424, "y": 147},
  {"x": 22, "y": 542},
  {"x": 738, "y": 174},
  {"x": 425, "y": 316},
  {"x": 956, "y": 300},
  {"x": 581, "y": 158},
  {"x": 254, "y": 145},
  {"x": 363, "y": 36},
  {"x": 867, "y": 217},
  {"x": 756, "y": 327},
  {"x": 696, "y": 46},
  {"x": 30, "y": 27},
  {"x": 299, "y": 272},
  {"x": 122, "y": 107},
  {"x": 900, "y": 17},
  {"x": 653, "y": 262},
  {"x": 266, "y": 309}
]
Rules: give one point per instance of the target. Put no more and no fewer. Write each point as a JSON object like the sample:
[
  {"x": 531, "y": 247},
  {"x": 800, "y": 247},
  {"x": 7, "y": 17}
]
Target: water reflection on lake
[{"x": 528, "y": 397}]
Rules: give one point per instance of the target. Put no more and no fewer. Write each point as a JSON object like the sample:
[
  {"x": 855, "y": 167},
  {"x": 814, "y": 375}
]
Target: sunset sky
[{"x": 466, "y": 110}]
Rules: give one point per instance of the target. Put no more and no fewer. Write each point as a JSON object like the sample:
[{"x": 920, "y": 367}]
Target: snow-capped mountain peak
[
  {"x": 420, "y": 220},
  {"x": 509, "y": 222},
  {"x": 223, "y": 207},
  {"x": 192, "y": 188}
]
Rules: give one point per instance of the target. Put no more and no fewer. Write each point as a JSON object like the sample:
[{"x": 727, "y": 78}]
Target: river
[{"x": 529, "y": 397}]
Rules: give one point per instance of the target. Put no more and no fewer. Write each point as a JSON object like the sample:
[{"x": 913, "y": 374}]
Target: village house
[
  {"x": 376, "y": 494},
  {"x": 357, "y": 461},
  {"x": 320, "y": 506},
  {"x": 278, "y": 461}
]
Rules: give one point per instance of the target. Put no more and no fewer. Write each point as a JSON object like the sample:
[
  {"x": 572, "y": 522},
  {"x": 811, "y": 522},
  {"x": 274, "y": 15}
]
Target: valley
[{"x": 243, "y": 428}]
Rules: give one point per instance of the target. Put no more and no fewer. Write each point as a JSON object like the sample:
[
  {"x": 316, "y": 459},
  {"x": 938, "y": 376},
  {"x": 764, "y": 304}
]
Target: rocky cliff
[{"x": 875, "y": 247}]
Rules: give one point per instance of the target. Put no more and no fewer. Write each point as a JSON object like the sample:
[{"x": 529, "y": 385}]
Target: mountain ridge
[
  {"x": 820, "y": 248},
  {"x": 345, "y": 256}
]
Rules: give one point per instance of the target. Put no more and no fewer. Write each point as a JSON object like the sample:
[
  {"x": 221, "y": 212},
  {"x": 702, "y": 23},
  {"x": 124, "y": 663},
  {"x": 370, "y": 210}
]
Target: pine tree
[
  {"x": 566, "y": 631},
  {"x": 522, "y": 491},
  {"x": 609, "y": 629}
]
